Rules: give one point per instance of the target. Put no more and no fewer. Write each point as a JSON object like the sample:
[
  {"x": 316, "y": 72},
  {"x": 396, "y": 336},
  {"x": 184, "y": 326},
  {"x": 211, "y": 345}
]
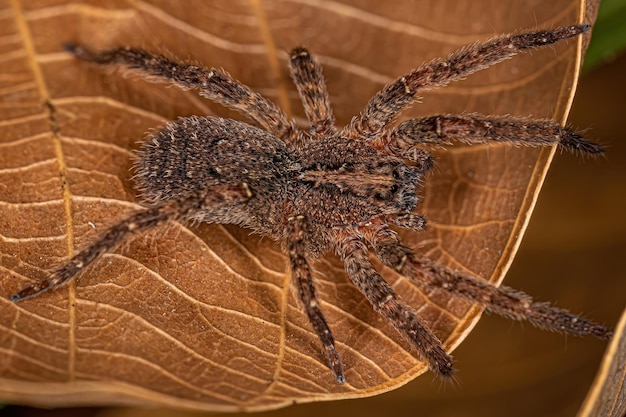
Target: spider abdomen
[{"x": 194, "y": 154}]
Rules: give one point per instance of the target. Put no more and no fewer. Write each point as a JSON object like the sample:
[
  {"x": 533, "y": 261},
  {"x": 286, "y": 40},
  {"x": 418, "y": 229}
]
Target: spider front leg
[
  {"x": 214, "y": 84},
  {"x": 480, "y": 129},
  {"x": 395, "y": 97},
  {"x": 385, "y": 301},
  {"x": 142, "y": 220},
  {"x": 501, "y": 300},
  {"x": 303, "y": 282},
  {"x": 308, "y": 78}
]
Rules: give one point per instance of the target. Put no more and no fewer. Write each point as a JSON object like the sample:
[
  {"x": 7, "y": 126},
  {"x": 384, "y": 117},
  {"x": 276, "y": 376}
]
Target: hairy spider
[{"x": 327, "y": 189}]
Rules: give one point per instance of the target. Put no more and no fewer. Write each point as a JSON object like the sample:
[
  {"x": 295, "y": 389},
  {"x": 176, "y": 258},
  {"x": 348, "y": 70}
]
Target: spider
[{"x": 327, "y": 189}]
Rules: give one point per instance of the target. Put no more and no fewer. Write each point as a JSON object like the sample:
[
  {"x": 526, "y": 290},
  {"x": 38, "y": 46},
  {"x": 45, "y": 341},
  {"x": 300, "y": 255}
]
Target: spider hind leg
[
  {"x": 501, "y": 300},
  {"x": 303, "y": 282},
  {"x": 383, "y": 298}
]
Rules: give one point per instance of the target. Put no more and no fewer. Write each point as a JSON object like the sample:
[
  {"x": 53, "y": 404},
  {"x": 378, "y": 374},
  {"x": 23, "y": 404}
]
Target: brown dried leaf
[
  {"x": 607, "y": 396},
  {"x": 203, "y": 317}
]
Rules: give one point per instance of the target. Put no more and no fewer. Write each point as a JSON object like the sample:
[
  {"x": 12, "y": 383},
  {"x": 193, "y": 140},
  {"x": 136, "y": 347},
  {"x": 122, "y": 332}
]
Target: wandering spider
[{"x": 327, "y": 189}]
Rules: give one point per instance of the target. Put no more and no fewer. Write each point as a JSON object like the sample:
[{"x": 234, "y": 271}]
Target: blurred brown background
[{"x": 573, "y": 253}]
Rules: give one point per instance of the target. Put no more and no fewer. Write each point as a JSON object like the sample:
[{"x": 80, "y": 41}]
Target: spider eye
[
  {"x": 394, "y": 188},
  {"x": 395, "y": 174},
  {"x": 379, "y": 197}
]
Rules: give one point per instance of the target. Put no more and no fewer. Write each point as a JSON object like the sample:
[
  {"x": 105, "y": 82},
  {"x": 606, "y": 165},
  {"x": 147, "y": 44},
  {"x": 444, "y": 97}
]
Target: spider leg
[
  {"x": 141, "y": 220},
  {"x": 412, "y": 221},
  {"x": 301, "y": 276},
  {"x": 308, "y": 78},
  {"x": 477, "y": 129},
  {"x": 385, "y": 301},
  {"x": 395, "y": 97},
  {"x": 501, "y": 300},
  {"x": 214, "y": 84}
]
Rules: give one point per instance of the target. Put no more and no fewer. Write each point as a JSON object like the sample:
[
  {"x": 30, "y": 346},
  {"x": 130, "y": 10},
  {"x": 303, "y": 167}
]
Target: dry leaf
[
  {"x": 607, "y": 396},
  {"x": 203, "y": 317}
]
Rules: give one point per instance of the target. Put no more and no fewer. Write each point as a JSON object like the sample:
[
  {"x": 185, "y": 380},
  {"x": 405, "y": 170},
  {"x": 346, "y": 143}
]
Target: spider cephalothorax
[{"x": 327, "y": 189}]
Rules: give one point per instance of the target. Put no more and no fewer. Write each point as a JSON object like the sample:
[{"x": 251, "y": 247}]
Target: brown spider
[{"x": 325, "y": 189}]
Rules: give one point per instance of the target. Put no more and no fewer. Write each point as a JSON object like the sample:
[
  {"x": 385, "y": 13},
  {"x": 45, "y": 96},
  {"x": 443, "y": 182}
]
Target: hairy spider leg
[
  {"x": 385, "y": 301},
  {"x": 142, "y": 220},
  {"x": 477, "y": 129},
  {"x": 214, "y": 84},
  {"x": 395, "y": 97},
  {"x": 307, "y": 76},
  {"x": 303, "y": 282},
  {"x": 409, "y": 220},
  {"x": 309, "y": 81},
  {"x": 501, "y": 300}
]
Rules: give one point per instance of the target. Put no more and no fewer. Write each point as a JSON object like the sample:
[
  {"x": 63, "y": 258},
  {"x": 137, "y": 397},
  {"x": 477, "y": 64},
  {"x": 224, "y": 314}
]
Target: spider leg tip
[
  {"x": 299, "y": 52},
  {"x": 78, "y": 51},
  {"x": 22, "y": 295},
  {"x": 567, "y": 32},
  {"x": 71, "y": 47},
  {"x": 335, "y": 364},
  {"x": 585, "y": 147},
  {"x": 605, "y": 333},
  {"x": 446, "y": 371},
  {"x": 578, "y": 29}
]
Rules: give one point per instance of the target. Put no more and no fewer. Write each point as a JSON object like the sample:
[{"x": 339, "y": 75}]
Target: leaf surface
[
  {"x": 607, "y": 396},
  {"x": 203, "y": 317}
]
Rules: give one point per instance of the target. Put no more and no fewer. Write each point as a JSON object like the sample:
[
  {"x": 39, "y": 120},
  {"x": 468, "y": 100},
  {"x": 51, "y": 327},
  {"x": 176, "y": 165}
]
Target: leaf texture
[
  {"x": 607, "y": 396},
  {"x": 202, "y": 317}
]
